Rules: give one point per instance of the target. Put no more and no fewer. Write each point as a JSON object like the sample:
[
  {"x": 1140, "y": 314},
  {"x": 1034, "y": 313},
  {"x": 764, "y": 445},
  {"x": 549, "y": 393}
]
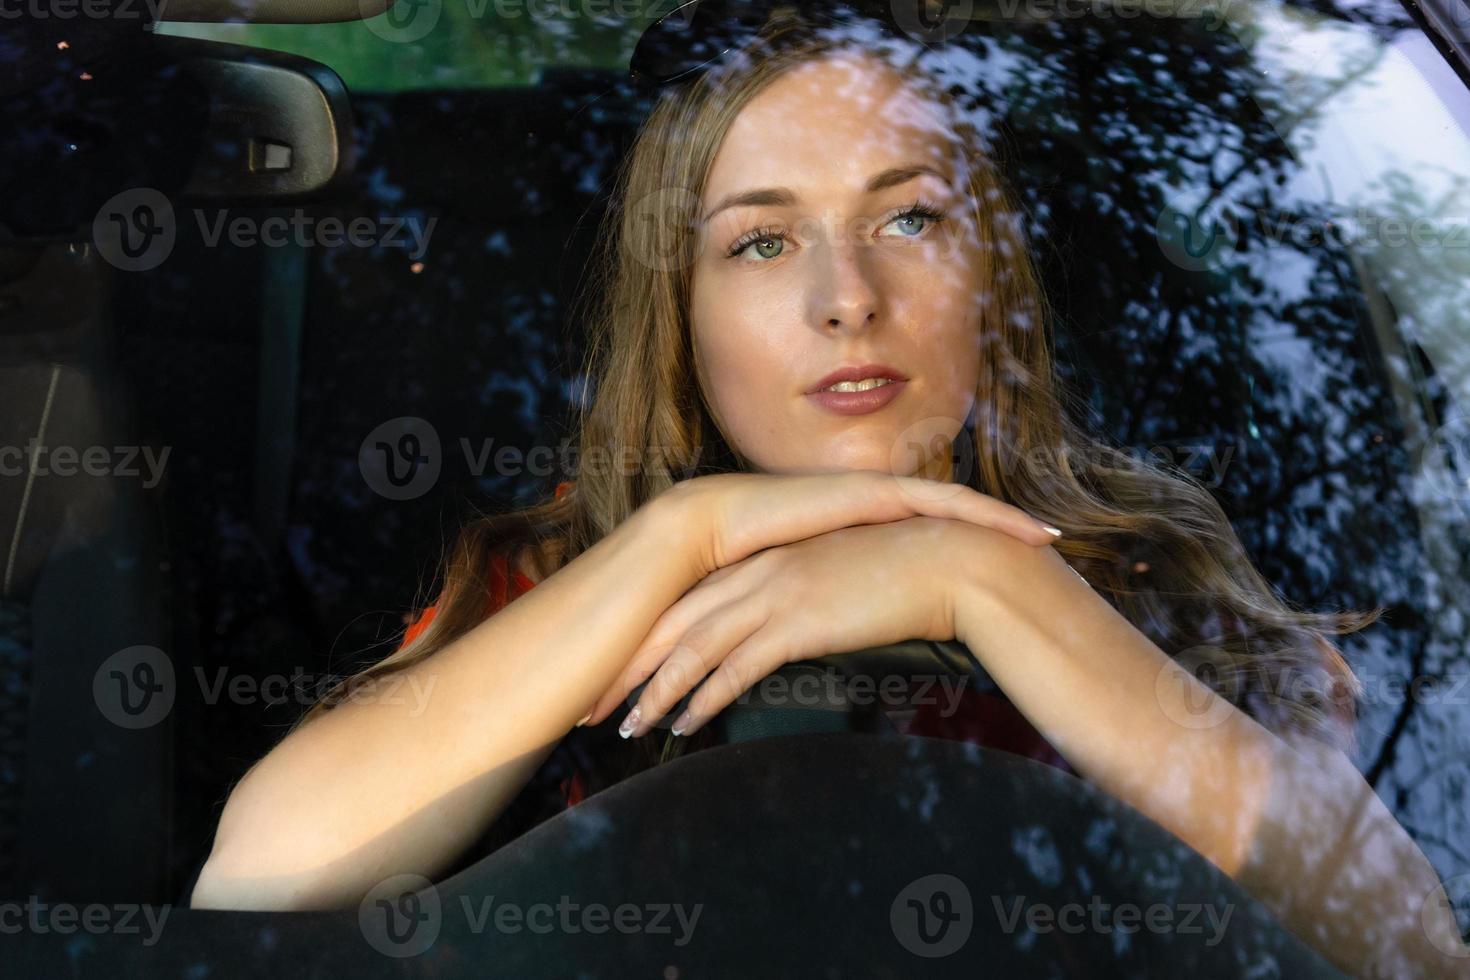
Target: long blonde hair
[{"x": 1148, "y": 537}]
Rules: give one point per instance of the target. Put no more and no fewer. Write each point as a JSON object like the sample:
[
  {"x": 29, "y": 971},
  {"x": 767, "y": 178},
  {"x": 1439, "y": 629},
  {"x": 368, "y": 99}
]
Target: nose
[{"x": 844, "y": 295}]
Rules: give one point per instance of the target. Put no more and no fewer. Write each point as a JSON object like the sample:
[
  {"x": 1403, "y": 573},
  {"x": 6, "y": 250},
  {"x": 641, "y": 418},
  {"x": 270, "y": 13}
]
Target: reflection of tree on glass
[{"x": 804, "y": 207}]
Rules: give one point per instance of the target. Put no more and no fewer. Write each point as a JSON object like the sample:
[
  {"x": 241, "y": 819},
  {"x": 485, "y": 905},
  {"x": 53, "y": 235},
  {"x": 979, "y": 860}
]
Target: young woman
[{"x": 802, "y": 207}]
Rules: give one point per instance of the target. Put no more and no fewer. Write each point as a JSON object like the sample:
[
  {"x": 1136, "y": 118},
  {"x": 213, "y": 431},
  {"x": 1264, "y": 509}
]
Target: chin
[{"x": 878, "y": 463}]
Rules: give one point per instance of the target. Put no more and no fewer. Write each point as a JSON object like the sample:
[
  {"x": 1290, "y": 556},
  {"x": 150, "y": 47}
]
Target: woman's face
[{"x": 831, "y": 272}]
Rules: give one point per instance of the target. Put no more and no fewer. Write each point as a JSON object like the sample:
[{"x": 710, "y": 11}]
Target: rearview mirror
[{"x": 279, "y": 126}]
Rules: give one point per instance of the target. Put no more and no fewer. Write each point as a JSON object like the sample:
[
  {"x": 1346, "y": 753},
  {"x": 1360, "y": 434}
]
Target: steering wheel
[
  {"x": 835, "y": 854},
  {"x": 817, "y": 694}
]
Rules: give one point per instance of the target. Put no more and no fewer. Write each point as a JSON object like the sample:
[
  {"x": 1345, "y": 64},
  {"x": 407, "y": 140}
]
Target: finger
[
  {"x": 701, "y": 650},
  {"x": 698, "y": 603},
  {"x": 937, "y": 498},
  {"x": 676, "y": 677},
  {"x": 755, "y": 658},
  {"x": 661, "y": 643},
  {"x": 650, "y": 657}
]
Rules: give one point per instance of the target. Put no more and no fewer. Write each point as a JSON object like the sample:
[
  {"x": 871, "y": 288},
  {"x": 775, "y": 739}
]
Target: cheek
[
  {"x": 950, "y": 395},
  {"x": 948, "y": 345},
  {"x": 744, "y": 371},
  {"x": 968, "y": 343}
]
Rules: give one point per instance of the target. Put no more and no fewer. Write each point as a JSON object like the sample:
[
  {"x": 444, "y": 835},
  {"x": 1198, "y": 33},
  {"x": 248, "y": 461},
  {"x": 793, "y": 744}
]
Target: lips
[
  {"x": 858, "y": 373},
  {"x": 858, "y": 402}
]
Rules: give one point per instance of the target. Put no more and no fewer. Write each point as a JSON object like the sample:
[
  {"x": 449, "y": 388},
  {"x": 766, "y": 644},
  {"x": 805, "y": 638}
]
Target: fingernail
[
  {"x": 1055, "y": 532},
  {"x": 630, "y": 722},
  {"x": 681, "y": 723},
  {"x": 585, "y": 719}
]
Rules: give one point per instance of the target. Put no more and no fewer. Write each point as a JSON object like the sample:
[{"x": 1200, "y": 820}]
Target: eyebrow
[{"x": 781, "y": 197}]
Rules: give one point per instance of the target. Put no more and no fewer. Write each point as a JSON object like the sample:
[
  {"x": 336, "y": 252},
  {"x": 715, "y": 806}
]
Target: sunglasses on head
[{"x": 695, "y": 35}]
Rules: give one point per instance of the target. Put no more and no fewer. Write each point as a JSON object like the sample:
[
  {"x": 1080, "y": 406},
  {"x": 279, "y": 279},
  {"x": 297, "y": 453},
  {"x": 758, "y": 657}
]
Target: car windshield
[{"x": 284, "y": 306}]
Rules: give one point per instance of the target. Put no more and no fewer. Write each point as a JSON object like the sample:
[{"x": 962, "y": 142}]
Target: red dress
[{"x": 983, "y": 719}]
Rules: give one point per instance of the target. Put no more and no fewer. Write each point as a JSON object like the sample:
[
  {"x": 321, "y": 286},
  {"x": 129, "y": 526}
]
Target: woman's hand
[
  {"x": 845, "y": 590},
  {"x": 731, "y": 516}
]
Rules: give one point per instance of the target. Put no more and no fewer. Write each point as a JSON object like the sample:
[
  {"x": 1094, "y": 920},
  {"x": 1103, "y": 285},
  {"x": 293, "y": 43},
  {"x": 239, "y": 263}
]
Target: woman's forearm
[
  {"x": 1090, "y": 682},
  {"x": 1331, "y": 861},
  {"x": 1296, "y": 826},
  {"x": 389, "y": 785}
]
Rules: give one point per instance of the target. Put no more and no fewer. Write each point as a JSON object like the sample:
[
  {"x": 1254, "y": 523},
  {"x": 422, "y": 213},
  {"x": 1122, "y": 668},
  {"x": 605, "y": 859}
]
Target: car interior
[{"x": 1316, "y": 385}]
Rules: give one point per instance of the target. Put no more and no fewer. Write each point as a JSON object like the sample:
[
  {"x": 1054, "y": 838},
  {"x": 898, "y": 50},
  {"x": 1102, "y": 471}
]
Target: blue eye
[{"x": 917, "y": 211}]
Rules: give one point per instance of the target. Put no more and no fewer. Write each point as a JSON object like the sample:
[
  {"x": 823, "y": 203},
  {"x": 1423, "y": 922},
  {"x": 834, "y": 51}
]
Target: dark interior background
[{"x": 264, "y": 553}]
